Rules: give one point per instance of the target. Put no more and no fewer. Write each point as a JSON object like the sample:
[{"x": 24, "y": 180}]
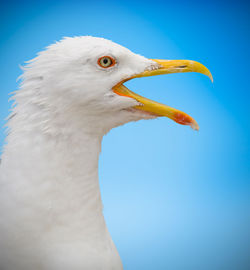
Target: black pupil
[{"x": 105, "y": 61}]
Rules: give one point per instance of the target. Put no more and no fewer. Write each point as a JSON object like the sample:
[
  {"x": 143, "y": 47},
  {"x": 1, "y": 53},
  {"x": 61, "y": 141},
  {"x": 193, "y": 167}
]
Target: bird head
[{"x": 86, "y": 76}]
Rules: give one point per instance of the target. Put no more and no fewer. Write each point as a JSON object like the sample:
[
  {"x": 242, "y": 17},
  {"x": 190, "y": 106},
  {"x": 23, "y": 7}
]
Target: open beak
[{"x": 158, "y": 109}]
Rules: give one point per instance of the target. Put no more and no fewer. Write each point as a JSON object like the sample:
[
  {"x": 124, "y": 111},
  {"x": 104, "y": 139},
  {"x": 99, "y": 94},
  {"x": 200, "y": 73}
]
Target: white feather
[{"x": 50, "y": 202}]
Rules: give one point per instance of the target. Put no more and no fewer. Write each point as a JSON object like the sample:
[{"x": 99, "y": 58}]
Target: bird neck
[
  {"x": 54, "y": 180},
  {"x": 56, "y": 159}
]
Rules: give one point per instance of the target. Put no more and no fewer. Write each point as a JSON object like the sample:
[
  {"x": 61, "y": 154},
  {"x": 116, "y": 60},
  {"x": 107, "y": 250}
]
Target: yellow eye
[{"x": 106, "y": 61}]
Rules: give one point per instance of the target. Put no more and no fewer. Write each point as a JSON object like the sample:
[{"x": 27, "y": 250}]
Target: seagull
[{"x": 70, "y": 96}]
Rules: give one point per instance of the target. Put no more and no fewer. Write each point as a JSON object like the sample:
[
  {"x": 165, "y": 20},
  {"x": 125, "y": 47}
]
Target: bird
[{"x": 70, "y": 95}]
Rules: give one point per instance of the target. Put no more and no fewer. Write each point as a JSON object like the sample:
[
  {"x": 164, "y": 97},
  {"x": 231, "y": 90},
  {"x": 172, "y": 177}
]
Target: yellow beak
[{"x": 158, "y": 109}]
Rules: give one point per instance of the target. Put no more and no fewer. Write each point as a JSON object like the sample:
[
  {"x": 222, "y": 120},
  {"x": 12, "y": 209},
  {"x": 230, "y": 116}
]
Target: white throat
[{"x": 54, "y": 177}]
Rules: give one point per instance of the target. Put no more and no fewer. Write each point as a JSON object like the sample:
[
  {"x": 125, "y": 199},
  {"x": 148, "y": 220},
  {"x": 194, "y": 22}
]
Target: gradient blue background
[{"x": 173, "y": 198}]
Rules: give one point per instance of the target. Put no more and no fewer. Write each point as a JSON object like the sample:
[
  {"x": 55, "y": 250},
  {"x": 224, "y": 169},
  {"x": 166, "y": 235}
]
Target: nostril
[{"x": 182, "y": 66}]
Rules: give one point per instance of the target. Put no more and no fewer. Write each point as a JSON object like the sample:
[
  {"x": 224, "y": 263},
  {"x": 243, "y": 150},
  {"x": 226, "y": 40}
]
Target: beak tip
[
  {"x": 211, "y": 77},
  {"x": 195, "y": 126}
]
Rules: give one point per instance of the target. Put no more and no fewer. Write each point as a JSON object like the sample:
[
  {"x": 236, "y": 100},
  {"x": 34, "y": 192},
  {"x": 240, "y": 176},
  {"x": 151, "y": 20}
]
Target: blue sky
[{"x": 173, "y": 198}]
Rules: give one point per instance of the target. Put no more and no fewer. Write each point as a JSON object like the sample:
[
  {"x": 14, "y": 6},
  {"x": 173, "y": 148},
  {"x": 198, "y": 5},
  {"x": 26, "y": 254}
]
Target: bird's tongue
[{"x": 156, "y": 108}]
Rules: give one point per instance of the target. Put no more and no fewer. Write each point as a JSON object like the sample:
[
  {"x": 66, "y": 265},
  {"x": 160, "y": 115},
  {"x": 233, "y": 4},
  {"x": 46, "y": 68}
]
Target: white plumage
[{"x": 50, "y": 202}]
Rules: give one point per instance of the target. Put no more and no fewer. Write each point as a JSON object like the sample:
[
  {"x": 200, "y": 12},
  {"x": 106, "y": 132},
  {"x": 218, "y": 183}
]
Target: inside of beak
[{"x": 158, "y": 109}]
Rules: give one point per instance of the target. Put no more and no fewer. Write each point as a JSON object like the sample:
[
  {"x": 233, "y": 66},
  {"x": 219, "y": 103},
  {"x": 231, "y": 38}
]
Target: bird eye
[{"x": 106, "y": 61}]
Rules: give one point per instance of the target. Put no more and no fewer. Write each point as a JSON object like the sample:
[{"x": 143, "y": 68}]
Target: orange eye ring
[{"x": 106, "y": 61}]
